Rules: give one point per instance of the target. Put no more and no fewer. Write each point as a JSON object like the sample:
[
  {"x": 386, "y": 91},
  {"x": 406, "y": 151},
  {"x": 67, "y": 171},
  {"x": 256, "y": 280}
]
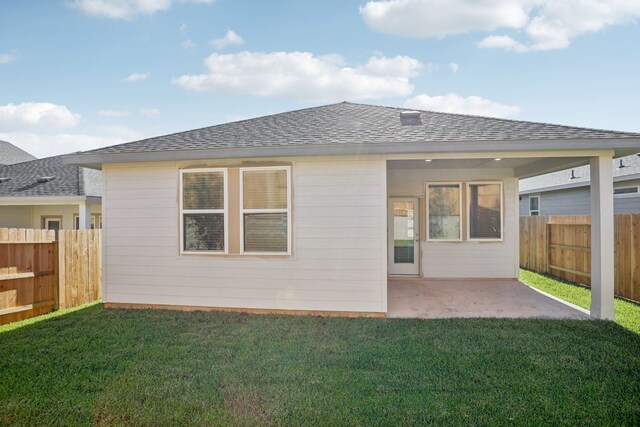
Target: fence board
[
  {"x": 27, "y": 274},
  {"x": 568, "y": 248},
  {"x": 38, "y": 274}
]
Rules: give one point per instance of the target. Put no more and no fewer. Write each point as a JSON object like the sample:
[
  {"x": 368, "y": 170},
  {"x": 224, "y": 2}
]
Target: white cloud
[
  {"x": 113, "y": 113},
  {"x": 301, "y": 75},
  {"x": 439, "y": 18},
  {"x": 37, "y": 115},
  {"x": 183, "y": 28},
  {"x": 401, "y": 66},
  {"x": 6, "y": 58},
  {"x": 188, "y": 44},
  {"x": 137, "y": 77},
  {"x": 453, "y": 103},
  {"x": 546, "y": 24},
  {"x": 149, "y": 112},
  {"x": 231, "y": 38},
  {"x": 126, "y": 9},
  {"x": 454, "y": 67},
  {"x": 502, "y": 42}
]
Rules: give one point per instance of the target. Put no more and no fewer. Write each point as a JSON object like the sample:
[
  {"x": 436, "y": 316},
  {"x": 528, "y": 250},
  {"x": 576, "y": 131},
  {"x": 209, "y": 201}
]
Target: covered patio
[{"x": 438, "y": 299}]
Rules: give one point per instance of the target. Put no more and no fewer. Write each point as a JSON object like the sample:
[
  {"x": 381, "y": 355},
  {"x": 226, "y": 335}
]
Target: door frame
[{"x": 414, "y": 270}]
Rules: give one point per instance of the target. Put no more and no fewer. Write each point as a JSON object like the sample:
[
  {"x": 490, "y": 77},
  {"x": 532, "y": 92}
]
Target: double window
[
  {"x": 257, "y": 222},
  {"x": 484, "y": 214}
]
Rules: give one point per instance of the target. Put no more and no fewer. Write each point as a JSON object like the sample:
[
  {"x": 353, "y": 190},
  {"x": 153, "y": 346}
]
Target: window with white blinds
[
  {"x": 203, "y": 210},
  {"x": 265, "y": 210},
  {"x": 485, "y": 211}
]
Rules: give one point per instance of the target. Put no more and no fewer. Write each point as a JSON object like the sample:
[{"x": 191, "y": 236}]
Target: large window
[
  {"x": 444, "y": 205},
  {"x": 484, "y": 201},
  {"x": 265, "y": 210},
  {"x": 203, "y": 210}
]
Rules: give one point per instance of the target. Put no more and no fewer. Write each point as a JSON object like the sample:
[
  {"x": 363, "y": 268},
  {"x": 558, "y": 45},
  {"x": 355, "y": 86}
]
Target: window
[
  {"x": 626, "y": 191},
  {"x": 444, "y": 205},
  {"x": 265, "y": 210},
  {"x": 534, "y": 205},
  {"x": 484, "y": 202},
  {"x": 96, "y": 221},
  {"x": 203, "y": 210}
]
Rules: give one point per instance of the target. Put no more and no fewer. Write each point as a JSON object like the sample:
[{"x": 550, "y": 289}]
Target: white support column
[
  {"x": 602, "y": 239},
  {"x": 84, "y": 210}
]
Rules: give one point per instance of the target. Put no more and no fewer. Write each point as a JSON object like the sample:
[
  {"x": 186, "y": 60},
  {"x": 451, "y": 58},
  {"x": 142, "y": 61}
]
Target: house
[
  {"x": 313, "y": 210},
  {"x": 10, "y": 154},
  {"x": 48, "y": 193},
  {"x": 567, "y": 192}
]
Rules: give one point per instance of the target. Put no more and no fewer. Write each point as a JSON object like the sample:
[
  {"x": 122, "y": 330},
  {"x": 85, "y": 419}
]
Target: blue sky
[{"x": 80, "y": 74}]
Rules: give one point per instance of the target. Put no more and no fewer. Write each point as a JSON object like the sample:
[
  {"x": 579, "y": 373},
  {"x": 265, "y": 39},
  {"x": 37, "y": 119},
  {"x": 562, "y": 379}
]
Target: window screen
[
  {"x": 444, "y": 211},
  {"x": 203, "y": 211},
  {"x": 485, "y": 211},
  {"x": 265, "y": 210}
]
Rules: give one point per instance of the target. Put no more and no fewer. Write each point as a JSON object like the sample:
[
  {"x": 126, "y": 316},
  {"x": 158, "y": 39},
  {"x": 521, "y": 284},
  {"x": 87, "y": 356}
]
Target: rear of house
[{"x": 313, "y": 210}]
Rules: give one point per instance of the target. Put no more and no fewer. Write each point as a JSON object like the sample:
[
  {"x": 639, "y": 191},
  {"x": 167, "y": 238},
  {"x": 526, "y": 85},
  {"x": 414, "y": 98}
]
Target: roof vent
[
  {"x": 46, "y": 178},
  {"x": 4, "y": 179},
  {"x": 410, "y": 118}
]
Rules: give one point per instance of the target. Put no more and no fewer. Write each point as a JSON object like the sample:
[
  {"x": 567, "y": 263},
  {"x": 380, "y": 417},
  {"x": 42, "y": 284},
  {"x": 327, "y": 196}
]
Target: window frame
[
  {"x": 94, "y": 221},
  {"x": 476, "y": 239},
  {"x": 287, "y": 210},
  {"x": 625, "y": 195},
  {"x": 460, "y": 188},
  {"x": 537, "y": 196},
  {"x": 224, "y": 211}
]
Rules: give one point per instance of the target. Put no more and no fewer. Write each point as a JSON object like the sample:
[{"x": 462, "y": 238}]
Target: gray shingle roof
[
  {"x": 582, "y": 175},
  {"x": 10, "y": 154},
  {"x": 348, "y": 123},
  {"x": 70, "y": 180}
]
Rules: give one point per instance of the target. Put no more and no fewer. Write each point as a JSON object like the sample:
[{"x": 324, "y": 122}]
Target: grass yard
[
  {"x": 627, "y": 313},
  {"x": 143, "y": 367}
]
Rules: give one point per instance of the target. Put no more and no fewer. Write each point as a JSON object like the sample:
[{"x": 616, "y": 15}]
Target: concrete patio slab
[{"x": 438, "y": 299}]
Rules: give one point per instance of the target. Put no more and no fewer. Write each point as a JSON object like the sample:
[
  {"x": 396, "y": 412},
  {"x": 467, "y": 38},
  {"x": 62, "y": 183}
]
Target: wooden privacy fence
[
  {"x": 39, "y": 274},
  {"x": 561, "y": 246}
]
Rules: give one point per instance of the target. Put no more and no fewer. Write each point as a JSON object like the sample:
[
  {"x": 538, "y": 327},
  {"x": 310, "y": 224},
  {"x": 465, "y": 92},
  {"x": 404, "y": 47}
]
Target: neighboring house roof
[
  {"x": 48, "y": 177},
  {"x": 359, "y": 126},
  {"x": 581, "y": 176},
  {"x": 10, "y": 154}
]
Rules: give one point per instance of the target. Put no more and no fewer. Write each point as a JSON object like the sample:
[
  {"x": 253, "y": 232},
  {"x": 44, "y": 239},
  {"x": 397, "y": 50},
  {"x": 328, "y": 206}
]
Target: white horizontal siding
[{"x": 338, "y": 260}]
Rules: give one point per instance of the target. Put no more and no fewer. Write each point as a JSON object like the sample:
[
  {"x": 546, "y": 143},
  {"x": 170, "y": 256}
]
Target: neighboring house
[
  {"x": 312, "y": 210},
  {"x": 10, "y": 154},
  {"x": 47, "y": 193},
  {"x": 567, "y": 192}
]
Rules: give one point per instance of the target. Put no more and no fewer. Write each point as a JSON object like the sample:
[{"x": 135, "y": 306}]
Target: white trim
[
  {"x": 279, "y": 210},
  {"x": 468, "y": 213},
  {"x": 48, "y": 200},
  {"x": 537, "y": 196},
  {"x": 435, "y": 183},
  {"x": 224, "y": 211},
  {"x": 626, "y": 195}
]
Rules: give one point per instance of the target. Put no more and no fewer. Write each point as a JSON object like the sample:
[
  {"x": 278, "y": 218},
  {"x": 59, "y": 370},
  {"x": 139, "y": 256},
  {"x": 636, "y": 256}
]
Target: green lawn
[
  {"x": 143, "y": 367},
  {"x": 627, "y": 313}
]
